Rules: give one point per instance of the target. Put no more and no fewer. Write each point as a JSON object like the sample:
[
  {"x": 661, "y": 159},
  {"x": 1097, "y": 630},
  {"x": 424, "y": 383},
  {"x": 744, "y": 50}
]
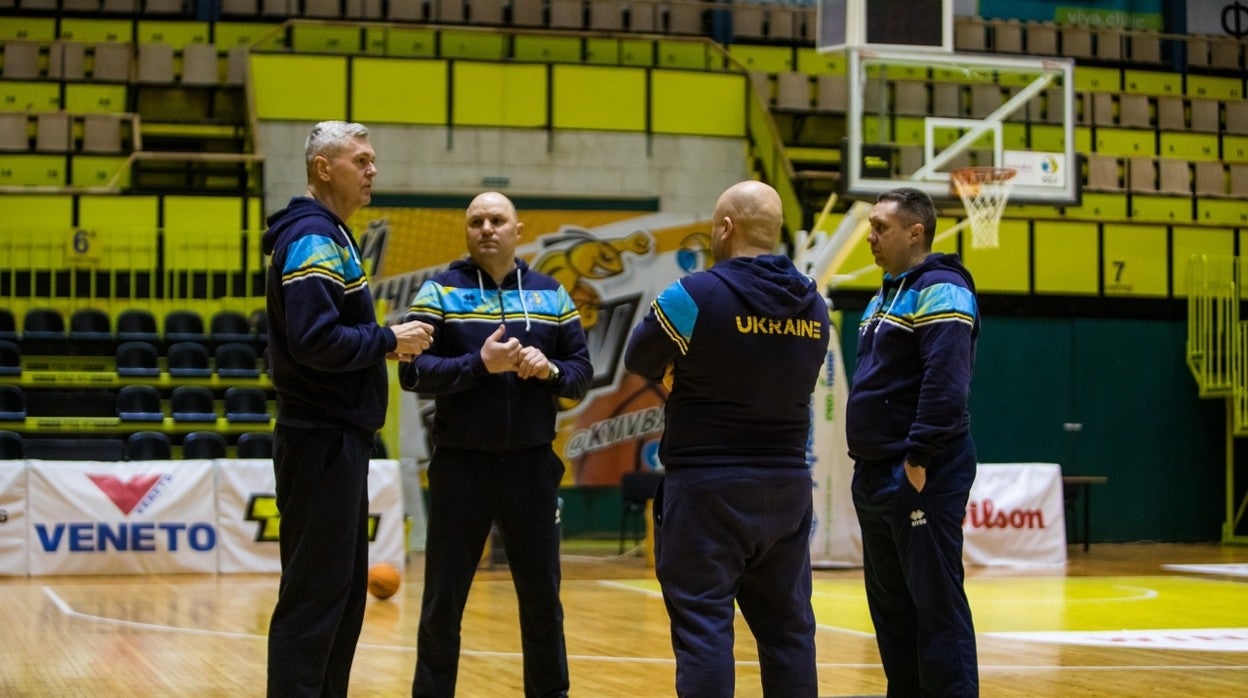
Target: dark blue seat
[
  {"x": 184, "y": 326},
  {"x": 139, "y": 403},
  {"x": 255, "y": 444},
  {"x": 192, "y": 403},
  {"x": 10, "y": 359},
  {"x": 11, "y": 446},
  {"x": 230, "y": 326},
  {"x": 203, "y": 444},
  {"x": 91, "y": 332},
  {"x": 137, "y": 359},
  {"x": 43, "y": 332},
  {"x": 188, "y": 360},
  {"x": 137, "y": 325},
  {"x": 148, "y": 445},
  {"x": 236, "y": 360},
  {"x": 12, "y": 404},
  {"x": 246, "y": 405},
  {"x": 8, "y": 325}
]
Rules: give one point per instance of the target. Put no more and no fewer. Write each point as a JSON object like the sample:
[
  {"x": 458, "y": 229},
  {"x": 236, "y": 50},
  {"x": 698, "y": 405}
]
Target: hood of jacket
[
  {"x": 299, "y": 208},
  {"x": 472, "y": 271},
  {"x": 935, "y": 262},
  {"x": 767, "y": 284}
]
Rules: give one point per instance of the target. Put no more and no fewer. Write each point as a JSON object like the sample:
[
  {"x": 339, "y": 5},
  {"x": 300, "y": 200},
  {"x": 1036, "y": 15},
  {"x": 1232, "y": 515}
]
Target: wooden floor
[{"x": 1160, "y": 632}]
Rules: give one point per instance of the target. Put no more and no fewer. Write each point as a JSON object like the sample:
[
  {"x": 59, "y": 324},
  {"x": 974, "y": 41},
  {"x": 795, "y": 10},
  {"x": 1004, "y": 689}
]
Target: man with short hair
[
  {"x": 326, "y": 355},
  {"x": 744, "y": 341},
  {"x": 908, "y": 430},
  {"x": 510, "y": 344}
]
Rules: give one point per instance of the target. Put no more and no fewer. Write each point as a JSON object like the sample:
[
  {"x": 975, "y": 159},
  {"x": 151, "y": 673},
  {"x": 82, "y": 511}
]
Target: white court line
[
  {"x": 1182, "y": 639},
  {"x": 69, "y": 611},
  {"x": 1234, "y": 569}
]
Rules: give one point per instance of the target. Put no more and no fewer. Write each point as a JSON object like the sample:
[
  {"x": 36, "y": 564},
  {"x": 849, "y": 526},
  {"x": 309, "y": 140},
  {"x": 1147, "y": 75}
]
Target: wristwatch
[{"x": 554, "y": 372}]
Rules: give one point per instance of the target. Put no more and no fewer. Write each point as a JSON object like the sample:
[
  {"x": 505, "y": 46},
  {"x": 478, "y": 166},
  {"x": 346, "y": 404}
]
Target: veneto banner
[
  {"x": 163, "y": 517},
  {"x": 121, "y": 518}
]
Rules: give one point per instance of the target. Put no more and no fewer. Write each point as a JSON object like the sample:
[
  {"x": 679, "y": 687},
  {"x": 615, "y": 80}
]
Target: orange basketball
[{"x": 383, "y": 580}]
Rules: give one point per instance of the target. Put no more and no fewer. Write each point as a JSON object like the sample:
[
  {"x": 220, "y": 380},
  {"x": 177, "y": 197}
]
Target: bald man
[
  {"x": 745, "y": 341},
  {"x": 510, "y": 343}
]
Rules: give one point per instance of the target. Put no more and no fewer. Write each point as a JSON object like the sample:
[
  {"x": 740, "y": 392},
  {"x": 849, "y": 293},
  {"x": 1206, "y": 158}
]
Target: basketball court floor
[{"x": 1119, "y": 620}]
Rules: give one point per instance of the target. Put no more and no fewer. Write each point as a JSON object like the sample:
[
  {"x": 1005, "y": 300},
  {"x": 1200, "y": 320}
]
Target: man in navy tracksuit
[
  {"x": 745, "y": 342},
  {"x": 909, "y": 434},
  {"x": 509, "y": 344},
  {"x": 326, "y": 354}
]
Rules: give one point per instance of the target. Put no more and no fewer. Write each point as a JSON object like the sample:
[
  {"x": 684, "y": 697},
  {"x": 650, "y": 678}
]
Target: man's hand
[
  {"x": 499, "y": 356},
  {"x": 917, "y": 475},
  {"x": 533, "y": 364},
  {"x": 413, "y": 338}
]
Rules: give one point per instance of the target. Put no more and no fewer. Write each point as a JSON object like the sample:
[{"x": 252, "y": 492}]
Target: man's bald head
[
  {"x": 487, "y": 198},
  {"x": 747, "y": 221}
]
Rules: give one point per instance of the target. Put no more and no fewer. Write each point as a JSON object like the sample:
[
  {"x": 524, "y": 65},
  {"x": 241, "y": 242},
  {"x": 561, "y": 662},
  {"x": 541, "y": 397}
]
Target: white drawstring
[
  {"x": 519, "y": 288},
  {"x": 523, "y": 306},
  {"x": 880, "y": 320}
]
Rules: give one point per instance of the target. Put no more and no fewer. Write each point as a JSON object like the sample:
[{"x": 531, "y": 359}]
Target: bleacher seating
[
  {"x": 105, "y": 449},
  {"x": 139, "y": 403},
  {"x": 148, "y": 445},
  {"x": 230, "y": 326},
  {"x": 236, "y": 360},
  {"x": 12, "y": 404},
  {"x": 187, "y": 360},
  {"x": 203, "y": 444},
  {"x": 137, "y": 358},
  {"x": 8, "y": 325},
  {"x": 192, "y": 403},
  {"x": 255, "y": 444},
  {"x": 184, "y": 326},
  {"x": 43, "y": 332},
  {"x": 137, "y": 325},
  {"x": 10, "y": 358},
  {"x": 91, "y": 332},
  {"x": 11, "y": 446},
  {"x": 246, "y": 405}
]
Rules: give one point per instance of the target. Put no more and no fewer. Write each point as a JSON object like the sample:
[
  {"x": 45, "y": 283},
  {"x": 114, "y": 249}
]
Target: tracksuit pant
[
  {"x": 468, "y": 491},
  {"x": 737, "y": 534},
  {"x": 912, "y": 563},
  {"x": 322, "y": 495}
]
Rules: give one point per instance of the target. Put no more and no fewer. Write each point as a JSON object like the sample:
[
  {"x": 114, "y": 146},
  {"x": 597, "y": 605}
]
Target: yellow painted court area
[{"x": 1047, "y": 604}]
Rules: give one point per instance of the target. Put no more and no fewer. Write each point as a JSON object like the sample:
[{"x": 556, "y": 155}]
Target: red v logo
[{"x": 126, "y": 495}]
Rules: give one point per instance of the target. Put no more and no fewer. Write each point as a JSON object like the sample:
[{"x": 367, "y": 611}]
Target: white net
[{"x": 984, "y": 191}]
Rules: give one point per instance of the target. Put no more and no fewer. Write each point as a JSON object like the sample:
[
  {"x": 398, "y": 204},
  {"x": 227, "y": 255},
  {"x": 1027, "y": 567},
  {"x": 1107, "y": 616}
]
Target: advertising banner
[
  {"x": 121, "y": 518},
  {"x": 1016, "y": 515},
  {"x": 13, "y": 517},
  {"x": 836, "y": 540},
  {"x": 248, "y": 520}
]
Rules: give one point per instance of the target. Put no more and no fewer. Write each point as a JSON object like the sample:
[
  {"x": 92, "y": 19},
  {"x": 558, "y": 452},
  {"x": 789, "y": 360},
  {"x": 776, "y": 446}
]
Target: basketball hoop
[{"x": 984, "y": 191}]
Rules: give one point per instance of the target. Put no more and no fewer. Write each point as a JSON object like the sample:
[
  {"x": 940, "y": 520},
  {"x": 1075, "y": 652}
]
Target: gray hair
[{"x": 328, "y": 137}]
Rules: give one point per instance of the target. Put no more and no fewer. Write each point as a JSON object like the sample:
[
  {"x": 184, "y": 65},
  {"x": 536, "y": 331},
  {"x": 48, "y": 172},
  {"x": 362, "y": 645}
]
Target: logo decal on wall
[{"x": 126, "y": 495}]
